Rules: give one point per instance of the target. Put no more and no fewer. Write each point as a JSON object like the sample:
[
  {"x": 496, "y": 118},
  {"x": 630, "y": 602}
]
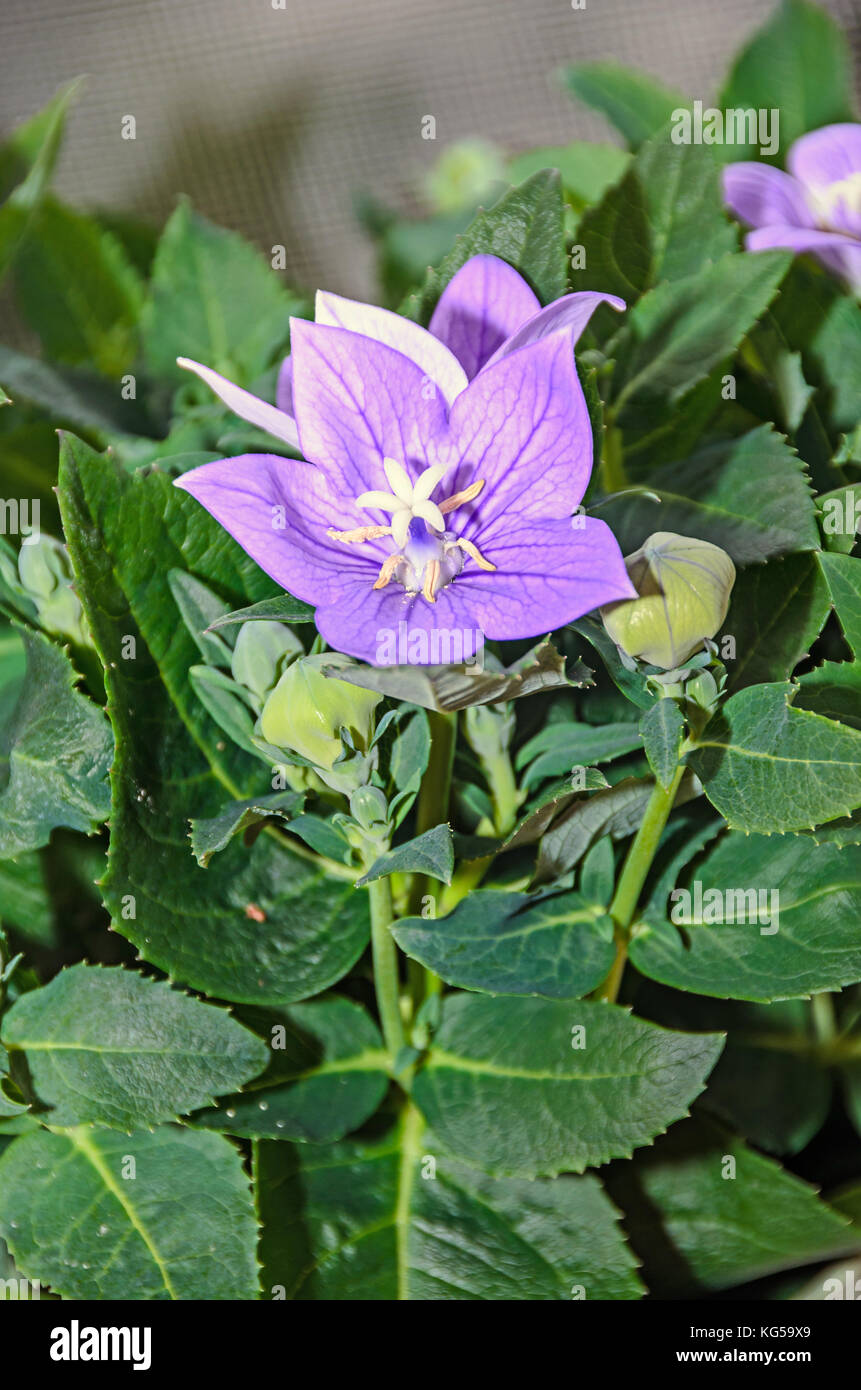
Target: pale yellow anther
[
  {"x": 431, "y": 577},
  {"x": 460, "y": 499},
  {"x": 361, "y": 533},
  {"x": 406, "y": 502},
  {"x": 475, "y": 554},
  {"x": 387, "y": 569}
]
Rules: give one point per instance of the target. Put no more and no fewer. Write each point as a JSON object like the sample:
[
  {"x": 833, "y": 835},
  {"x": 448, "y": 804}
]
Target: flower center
[
  {"x": 844, "y": 195},
  {"x": 428, "y": 556}
]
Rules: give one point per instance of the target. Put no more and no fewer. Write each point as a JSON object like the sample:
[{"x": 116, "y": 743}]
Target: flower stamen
[
  {"x": 361, "y": 533},
  {"x": 387, "y": 569},
  {"x": 474, "y": 554},
  {"x": 459, "y": 499},
  {"x": 431, "y": 578}
]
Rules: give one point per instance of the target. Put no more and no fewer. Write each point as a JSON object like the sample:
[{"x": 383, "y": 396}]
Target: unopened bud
[
  {"x": 306, "y": 711},
  {"x": 260, "y": 652},
  {"x": 684, "y": 586}
]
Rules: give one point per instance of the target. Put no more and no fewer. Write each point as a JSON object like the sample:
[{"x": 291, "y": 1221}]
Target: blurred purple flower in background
[
  {"x": 443, "y": 469},
  {"x": 816, "y": 207}
]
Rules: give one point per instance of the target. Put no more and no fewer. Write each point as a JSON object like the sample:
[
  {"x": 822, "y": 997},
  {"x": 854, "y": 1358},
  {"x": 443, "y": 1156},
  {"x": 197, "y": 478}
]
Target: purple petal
[
  {"x": 434, "y": 358},
  {"x": 284, "y": 388},
  {"x": 572, "y": 313},
  {"x": 279, "y": 510},
  {"x": 358, "y": 402},
  {"x": 548, "y": 573},
  {"x": 366, "y": 623},
  {"x": 242, "y": 403},
  {"x": 762, "y": 196},
  {"x": 826, "y": 155},
  {"x": 485, "y": 303},
  {"x": 841, "y": 254},
  {"x": 522, "y": 426}
]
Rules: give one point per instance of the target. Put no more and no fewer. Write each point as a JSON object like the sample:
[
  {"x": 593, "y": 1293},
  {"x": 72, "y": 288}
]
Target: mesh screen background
[{"x": 271, "y": 119}]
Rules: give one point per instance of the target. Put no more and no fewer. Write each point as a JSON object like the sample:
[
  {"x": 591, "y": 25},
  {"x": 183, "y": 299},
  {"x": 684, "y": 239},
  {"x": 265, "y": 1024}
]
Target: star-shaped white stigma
[{"x": 407, "y": 499}]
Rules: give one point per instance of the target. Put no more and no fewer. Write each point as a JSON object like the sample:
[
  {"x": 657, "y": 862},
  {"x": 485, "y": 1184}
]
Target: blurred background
[{"x": 278, "y": 116}]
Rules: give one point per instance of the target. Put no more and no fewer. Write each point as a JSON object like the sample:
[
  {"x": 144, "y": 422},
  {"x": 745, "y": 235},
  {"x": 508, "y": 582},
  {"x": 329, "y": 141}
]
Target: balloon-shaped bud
[
  {"x": 45, "y": 573},
  {"x": 262, "y": 647},
  {"x": 684, "y": 586},
  {"x": 306, "y": 711}
]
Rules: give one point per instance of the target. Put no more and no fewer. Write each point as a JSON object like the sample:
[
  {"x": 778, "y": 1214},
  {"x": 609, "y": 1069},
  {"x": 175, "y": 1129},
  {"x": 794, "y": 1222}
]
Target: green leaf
[
  {"x": 214, "y": 299},
  {"x": 615, "y": 811},
  {"x": 632, "y": 684},
  {"x": 749, "y": 495},
  {"x": 839, "y": 517},
  {"x": 776, "y": 613},
  {"x": 162, "y": 1215},
  {"x": 77, "y": 289},
  {"x": 394, "y": 1219},
  {"x": 559, "y": 748},
  {"x": 110, "y": 1047},
  {"x": 587, "y": 169},
  {"x": 328, "y": 1073},
  {"x": 557, "y": 947},
  {"x": 635, "y": 103},
  {"x": 214, "y": 833},
  {"x": 769, "y": 1084},
  {"x": 447, "y": 688},
  {"x": 541, "y": 812},
  {"x": 283, "y": 609},
  {"x": 429, "y": 853},
  {"x": 71, "y": 395},
  {"x": 680, "y": 331},
  {"x": 816, "y": 318},
  {"x": 55, "y": 754},
  {"x": 257, "y": 926},
  {"x": 769, "y": 767},
  {"x": 662, "y": 728},
  {"x": 843, "y": 576},
  {"x": 664, "y": 221},
  {"x": 798, "y": 63},
  {"x": 525, "y": 228},
  {"x": 26, "y": 165},
  {"x": 799, "y": 905},
  {"x": 707, "y": 1213},
  {"x": 529, "y": 1086},
  {"x": 25, "y": 898},
  {"x": 597, "y": 872},
  {"x": 833, "y": 690}
]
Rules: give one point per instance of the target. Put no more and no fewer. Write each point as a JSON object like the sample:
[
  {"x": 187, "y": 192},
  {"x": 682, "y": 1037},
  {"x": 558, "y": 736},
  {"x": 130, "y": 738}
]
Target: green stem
[
  {"x": 431, "y": 810},
  {"x": 432, "y": 807},
  {"x": 634, "y": 873},
  {"x": 824, "y": 1020},
  {"x": 613, "y": 475},
  {"x": 385, "y": 956},
  {"x": 503, "y": 789}
]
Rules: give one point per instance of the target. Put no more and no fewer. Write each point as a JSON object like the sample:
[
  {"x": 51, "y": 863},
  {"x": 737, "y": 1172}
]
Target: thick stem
[
  {"x": 385, "y": 956},
  {"x": 824, "y": 1019},
  {"x": 634, "y": 873},
  {"x": 613, "y": 475},
  {"x": 503, "y": 789},
  {"x": 431, "y": 810}
]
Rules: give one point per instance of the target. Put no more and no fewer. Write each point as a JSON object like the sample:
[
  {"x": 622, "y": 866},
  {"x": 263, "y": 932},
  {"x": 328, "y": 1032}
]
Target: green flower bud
[
  {"x": 45, "y": 573},
  {"x": 489, "y": 728},
  {"x": 260, "y": 651},
  {"x": 465, "y": 173},
  {"x": 369, "y": 807},
  {"x": 306, "y": 711},
  {"x": 684, "y": 586}
]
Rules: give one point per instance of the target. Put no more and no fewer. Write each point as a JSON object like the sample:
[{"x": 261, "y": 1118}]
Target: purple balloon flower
[
  {"x": 443, "y": 469},
  {"x": 816, "y": 207}
]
